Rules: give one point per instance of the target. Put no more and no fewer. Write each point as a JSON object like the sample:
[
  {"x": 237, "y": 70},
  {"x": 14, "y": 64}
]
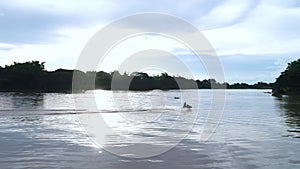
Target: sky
[{"x": 253, "y": 39}]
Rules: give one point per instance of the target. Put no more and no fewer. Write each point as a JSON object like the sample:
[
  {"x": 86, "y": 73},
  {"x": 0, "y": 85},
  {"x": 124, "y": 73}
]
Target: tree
[
  {"x": 22, "y": 76},
  {"x": 289, "y": 80}
]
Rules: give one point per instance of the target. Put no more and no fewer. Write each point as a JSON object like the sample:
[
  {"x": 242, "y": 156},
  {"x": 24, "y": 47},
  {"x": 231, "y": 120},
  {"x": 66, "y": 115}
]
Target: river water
[{"x": 47, "y": 130}]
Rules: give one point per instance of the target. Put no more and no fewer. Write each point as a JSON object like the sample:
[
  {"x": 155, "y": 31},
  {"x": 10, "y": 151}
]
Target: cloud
[
  {"x": 28, "y": 26},
  {"x": 254, "y": 39},
  {"x": 7, "y": 47},
  {"x": 269, "y": 28},
  {"x": 62, "y": 54},
  {"x": 38, "y": 22},
  {"x": 228, "y": 13}
]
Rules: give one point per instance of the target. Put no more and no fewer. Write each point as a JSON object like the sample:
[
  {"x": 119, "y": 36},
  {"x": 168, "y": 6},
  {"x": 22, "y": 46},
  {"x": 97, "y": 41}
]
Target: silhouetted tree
[
  {"x": 32, "y": 76},
  {"x": 22, "y": 76},
  {"x": 289, "y": 80}
]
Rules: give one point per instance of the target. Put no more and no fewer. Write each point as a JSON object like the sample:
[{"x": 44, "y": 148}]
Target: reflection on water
[
  {"x": 256, "y": 131},
  {"x": 291, "y": 112},
  {"x": 27, "y": 100},
  {"x": 29, "y": 119},
  {"x": 21, "y": 100}
]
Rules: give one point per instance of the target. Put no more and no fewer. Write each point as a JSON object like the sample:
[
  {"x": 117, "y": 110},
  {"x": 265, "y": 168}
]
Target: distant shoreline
[
  {"x": 32, "y": 77},
  {"x": 70, "y": 92}
]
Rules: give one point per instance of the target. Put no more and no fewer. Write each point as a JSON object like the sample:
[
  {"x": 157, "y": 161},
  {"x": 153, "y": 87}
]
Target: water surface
[{"x": 44, "y": 131}]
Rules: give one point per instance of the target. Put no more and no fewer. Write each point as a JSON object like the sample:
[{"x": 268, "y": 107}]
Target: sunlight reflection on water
[{"x": 256, "y": 131}]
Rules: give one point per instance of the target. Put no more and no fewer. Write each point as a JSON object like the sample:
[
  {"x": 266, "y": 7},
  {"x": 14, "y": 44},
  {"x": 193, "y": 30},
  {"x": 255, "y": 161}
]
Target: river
[{"x": 150, "y": 130}]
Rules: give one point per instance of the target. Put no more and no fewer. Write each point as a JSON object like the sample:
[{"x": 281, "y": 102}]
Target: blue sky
[{"x": 254, "y": 39}]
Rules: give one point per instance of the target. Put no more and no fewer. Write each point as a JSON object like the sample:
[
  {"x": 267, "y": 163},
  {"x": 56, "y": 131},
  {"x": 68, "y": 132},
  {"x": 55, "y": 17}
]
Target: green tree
[
  {"x": 289, "y": 80},
  {"x": 22, "y": 76}
]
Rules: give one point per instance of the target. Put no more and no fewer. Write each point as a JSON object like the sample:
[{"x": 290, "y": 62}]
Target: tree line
[{"x": 32, "y": 76}]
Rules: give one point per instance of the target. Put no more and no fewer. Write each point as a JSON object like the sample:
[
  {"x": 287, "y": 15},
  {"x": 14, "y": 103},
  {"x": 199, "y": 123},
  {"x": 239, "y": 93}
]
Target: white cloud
[
  {"x": 61, "y": 54},
  {"x": 228, "y": 13},
  {"x": 268, "y": 29},
  {"x": 56, "y": 31},
  {"x": 7, "y": 46},
  {"x": 66, "y": 6}
]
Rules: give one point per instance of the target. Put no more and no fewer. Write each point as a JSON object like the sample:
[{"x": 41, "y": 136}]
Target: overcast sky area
[{"x": 253, "y": 39}]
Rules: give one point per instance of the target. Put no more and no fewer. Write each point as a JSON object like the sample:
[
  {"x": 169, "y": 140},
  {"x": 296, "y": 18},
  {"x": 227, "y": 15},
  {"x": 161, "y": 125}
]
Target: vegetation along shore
[{"x": 32, "y": 76}]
